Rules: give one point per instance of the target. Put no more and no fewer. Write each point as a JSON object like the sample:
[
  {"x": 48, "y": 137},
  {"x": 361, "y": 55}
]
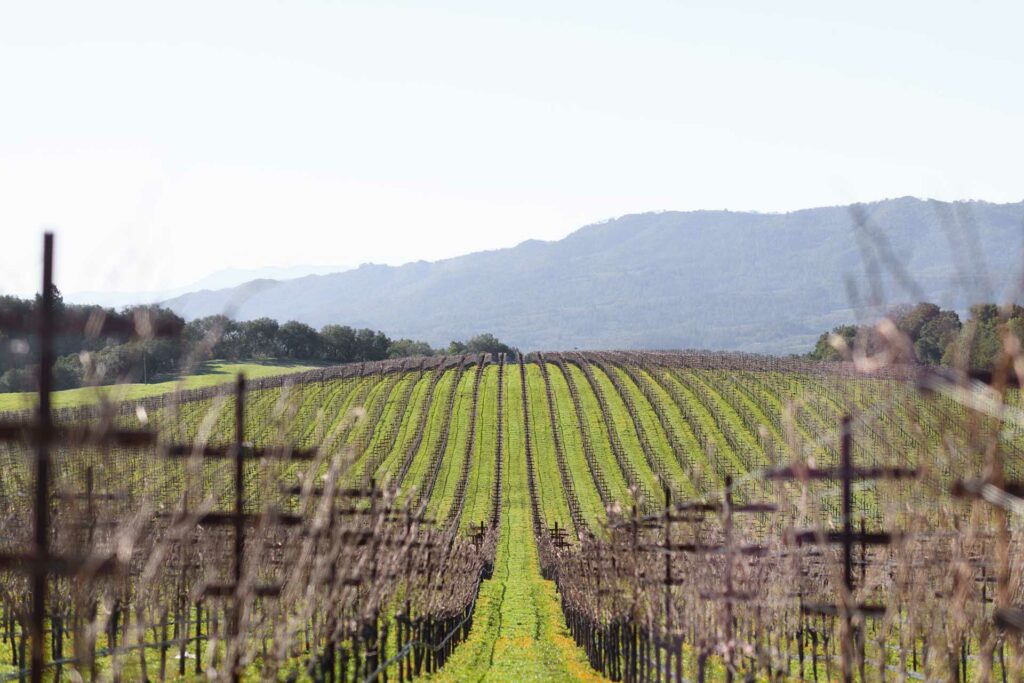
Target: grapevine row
[
  {"x": 433, "y": 466},
  {"x": 386, "y": 443},
  {"x": 499, "y": 455},
  {"x": 421, "y": 425},
  {"x": 588, "y": 447},
  {"x": 571, "y": 496},
  {"x": 455, "y": 512},
  {"x": 531, "y": 470},
  {"x": 649, "y": 452},
  {"x": 641, "y": 493}
]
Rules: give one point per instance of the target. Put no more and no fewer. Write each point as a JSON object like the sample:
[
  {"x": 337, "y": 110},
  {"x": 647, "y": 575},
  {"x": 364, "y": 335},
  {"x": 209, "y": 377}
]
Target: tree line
[
  {"x": 936, "y": 336},
  {"x": 113, "y": 358},
  {"x": 265, "y": 338}
]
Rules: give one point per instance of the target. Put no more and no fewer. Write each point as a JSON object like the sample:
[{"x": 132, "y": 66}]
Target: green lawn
[{"x": 209, "y": 374}]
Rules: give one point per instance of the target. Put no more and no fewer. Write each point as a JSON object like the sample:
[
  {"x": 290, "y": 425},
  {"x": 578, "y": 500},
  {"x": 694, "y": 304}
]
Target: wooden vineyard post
[
  {"x": 40, "y": 564},
  {"x": 668, "y": 572},
  {"x": 846, "y": 608},
  {"x": 238, "y": 519},
  {"x": 235, "y": 624},
  {"x": 674, "y": 643},
  {"x": 558, "y": 536},
  {"x": 729, "y": 595},
  {"x": 372, "y": 641},
  {"x": 637, "y": 663},
  {"x": 1005, "y": 497},
  {"x": 405, "y": 666},
  {"x": 41, "y": 525}
]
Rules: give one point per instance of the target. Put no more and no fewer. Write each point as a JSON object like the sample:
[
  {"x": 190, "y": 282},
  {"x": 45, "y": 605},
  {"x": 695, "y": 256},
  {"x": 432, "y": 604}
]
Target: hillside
[
  {"x": 603, "y": 426},
  {"x": 705, "y": 279}
]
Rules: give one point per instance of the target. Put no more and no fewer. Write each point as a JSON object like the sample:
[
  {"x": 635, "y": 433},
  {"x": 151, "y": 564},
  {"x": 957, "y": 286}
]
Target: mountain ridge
[{"x": 748, "y": 281}]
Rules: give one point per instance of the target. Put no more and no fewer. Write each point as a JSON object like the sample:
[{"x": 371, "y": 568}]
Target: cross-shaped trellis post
[
  {"x": 1007, "y": 496},
  {"x": 40, "y": 563},
  {"x": 846, "y": 538},
  {"x": 559, "y": 536},
  {"x": 729, "y": 596},
  {"x": 238, "y": 519},
  {"x": 694, "y": 511}
]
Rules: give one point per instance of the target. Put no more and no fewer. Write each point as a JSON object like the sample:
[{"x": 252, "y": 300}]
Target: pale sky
[{"x": 164, "y": 141}]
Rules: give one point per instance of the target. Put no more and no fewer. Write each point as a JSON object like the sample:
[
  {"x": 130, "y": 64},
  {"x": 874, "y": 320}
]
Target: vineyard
[
  {"x": 635, "y": 516},
  {"x": 556, "y": 516}
]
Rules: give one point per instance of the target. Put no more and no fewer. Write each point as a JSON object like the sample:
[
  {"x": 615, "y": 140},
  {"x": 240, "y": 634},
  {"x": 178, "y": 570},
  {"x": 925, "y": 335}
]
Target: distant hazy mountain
[
  {"x": 709, "y": 279},
  {"x": 221, "y": 279}
]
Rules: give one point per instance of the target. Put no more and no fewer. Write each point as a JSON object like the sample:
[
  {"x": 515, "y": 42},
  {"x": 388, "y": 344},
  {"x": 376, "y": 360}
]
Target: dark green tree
[
  {"x": 258, "y": 339},
  {"x": 338, "y": 343},
  {"x": 935, "y": 336},
  {"x": 370, "y": 345},
  {"x": 405, "y": 348},
  {"x": 215, "y": 336},
  {"x": 299, "y": 341},
  {"x": 823, "y": 349},
  {"x": 910, "y": 320},
  {"x": 19, "y": 379},
  {"x": 67, "y": 372},
  {"x": 486, "y": 343}
]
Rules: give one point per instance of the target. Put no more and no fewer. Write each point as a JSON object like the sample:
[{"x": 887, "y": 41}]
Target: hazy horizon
[{"x": 226, "y": 278}]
